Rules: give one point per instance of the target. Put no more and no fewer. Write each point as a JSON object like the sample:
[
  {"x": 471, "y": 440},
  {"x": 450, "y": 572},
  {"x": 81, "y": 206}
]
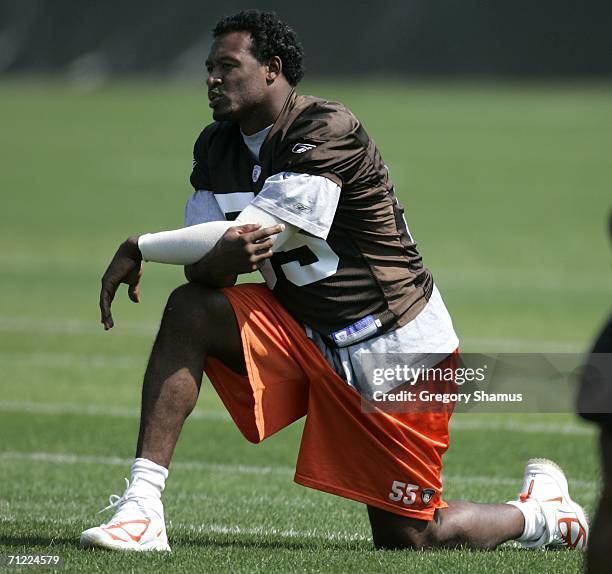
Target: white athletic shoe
[
  {"x": 565, "y": 521},
  {"x": 138, "y": 525}
]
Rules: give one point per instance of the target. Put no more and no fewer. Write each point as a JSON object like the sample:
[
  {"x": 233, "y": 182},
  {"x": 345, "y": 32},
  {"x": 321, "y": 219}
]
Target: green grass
[{"x": 507, "y": 191}]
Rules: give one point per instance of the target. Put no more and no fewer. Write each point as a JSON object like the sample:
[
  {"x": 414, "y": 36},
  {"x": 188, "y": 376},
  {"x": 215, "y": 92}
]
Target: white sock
[
  {"x": 148, "y": 479},
  {"x": 534, "y": 520}
]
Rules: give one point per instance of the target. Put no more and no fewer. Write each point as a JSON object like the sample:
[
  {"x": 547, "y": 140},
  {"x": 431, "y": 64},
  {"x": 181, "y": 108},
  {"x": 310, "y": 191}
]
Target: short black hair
[{"x": 270, "y": 37}]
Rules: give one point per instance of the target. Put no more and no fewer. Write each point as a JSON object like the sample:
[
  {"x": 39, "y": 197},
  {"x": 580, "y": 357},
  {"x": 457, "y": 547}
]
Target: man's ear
[{"x": 274, "y": 69}]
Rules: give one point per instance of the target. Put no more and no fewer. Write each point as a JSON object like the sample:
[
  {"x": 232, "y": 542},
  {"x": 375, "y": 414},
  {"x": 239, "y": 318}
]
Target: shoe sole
[{"x": 92, "y": 541}]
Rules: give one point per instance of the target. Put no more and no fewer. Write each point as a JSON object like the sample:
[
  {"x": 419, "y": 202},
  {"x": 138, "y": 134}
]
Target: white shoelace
[
  {"x": 130, "y": 503},
  {"x": 114, "y": 500}
]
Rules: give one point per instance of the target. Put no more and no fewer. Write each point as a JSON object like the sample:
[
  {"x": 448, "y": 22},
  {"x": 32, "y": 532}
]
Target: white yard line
[
  {"x": 497, "y": 345},
  {"x": 72, "y": 360},
  {"x": 262, "y": 531},
  {"x": 35, "y": 325},
  {"x": 94, "y": 410},
  {"x": 514, "y": 482},
  {"x": 130, "y": 412},
  {"x": 178, "y": 527},
  {"x": 523, "y": 427},
  {"x": 69, "y": 458},
  {"x": 48, "y": 325}
]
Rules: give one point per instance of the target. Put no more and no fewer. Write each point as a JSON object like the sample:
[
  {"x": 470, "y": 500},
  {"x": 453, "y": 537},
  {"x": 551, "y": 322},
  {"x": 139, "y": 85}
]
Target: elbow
[
  {"x": 188, "y": 270},
  {"x": 208, "y": 279},
  {"x": 226, "y": 281}
]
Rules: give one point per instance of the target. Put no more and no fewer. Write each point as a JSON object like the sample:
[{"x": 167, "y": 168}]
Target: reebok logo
[
  {"x": 303, "y": 208},
  {"x": 302, "y": 147}
]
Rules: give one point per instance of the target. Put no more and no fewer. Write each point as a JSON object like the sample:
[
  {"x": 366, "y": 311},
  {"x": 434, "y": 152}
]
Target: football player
[
  {"x": 595, "y": 405},
  {"x": 294, "y": 186}
]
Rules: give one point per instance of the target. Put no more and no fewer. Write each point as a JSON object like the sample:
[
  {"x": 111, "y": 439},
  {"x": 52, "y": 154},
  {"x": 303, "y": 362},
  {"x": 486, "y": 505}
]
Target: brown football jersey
[{"x": 353, "y": 270}]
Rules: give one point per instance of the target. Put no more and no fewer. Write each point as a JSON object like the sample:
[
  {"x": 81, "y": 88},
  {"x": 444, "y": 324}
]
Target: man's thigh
[{"x": 391, "y": 530}]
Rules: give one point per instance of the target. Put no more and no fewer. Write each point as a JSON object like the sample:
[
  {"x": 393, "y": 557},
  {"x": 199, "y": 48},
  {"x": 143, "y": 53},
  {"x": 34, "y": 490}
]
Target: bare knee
[
  {"x": 201, "y": 318},
  {"x": 400, "y": 540},
  {"x": 191, "y": 307},
  {"x": 394, "y": 532}
]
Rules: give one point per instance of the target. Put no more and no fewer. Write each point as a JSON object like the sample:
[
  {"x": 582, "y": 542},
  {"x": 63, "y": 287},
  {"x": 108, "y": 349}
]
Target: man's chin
[{"x": 221, "y": 115}]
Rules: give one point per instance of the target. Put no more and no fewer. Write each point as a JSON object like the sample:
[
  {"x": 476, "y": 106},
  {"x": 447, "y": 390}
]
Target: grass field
[{"x": 507, "y": 190}]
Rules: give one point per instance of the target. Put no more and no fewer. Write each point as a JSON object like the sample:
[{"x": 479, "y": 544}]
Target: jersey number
[
  {"x": 304, "y": 260},
  {"x": 404, "y": 492}
]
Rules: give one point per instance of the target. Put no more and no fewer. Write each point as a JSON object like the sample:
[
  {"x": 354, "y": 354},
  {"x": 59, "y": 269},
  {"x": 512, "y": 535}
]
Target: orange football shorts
[{"x": 391, "y": 461}]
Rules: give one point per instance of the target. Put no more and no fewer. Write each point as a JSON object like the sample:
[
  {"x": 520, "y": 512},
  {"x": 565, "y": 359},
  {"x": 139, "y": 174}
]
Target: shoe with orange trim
[
  {"x": 138, "y": 525},
  {"x": 566, "y": 524}
]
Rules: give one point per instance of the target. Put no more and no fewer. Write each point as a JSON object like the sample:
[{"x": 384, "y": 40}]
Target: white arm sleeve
[{"x": 188, "y": 245}]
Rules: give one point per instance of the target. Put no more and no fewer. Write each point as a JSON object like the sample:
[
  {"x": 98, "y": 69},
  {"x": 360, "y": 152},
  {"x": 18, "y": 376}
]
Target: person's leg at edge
[
  {"x": 543, "y": 515},
  {"x": 468, "y": 524},
  {"x": 197, "y": 322},
  {"x": 598, "y": 556}
]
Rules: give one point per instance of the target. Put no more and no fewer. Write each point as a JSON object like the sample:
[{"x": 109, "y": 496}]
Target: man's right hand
[
  {"x": 241, "y": 249},
  {"x": 125, "y": 267}
]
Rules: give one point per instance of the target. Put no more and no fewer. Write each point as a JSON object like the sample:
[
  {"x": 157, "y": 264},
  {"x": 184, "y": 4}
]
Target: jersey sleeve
[
  {"x": 320, "y": 152},
  {"x": 327, "y": 141},
  {"x": 307, "y": 201}
]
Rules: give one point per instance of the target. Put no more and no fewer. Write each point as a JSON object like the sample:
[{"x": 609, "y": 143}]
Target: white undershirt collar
[{"x": 255, "y": 141}]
